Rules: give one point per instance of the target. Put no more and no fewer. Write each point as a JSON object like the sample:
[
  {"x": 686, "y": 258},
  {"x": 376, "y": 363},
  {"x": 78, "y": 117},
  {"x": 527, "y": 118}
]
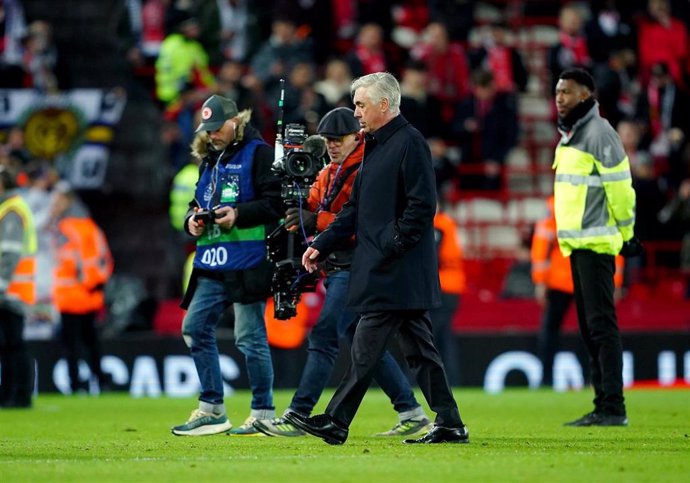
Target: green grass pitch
[{"x": 515, "y": 436}]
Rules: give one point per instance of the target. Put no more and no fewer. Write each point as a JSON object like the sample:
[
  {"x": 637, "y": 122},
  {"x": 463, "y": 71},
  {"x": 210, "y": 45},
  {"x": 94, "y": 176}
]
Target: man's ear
[{"x": 385, "y": 104}]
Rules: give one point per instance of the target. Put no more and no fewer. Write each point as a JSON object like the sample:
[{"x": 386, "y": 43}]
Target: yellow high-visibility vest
[
  {"x": 594, "y": 198},
  {"x": 22, "y": 285}
]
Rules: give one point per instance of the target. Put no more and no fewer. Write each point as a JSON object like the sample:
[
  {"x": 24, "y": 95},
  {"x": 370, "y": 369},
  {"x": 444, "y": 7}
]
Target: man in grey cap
[
  {"x": 236, "y": 204},
  {"x": 328, "y": 194}
]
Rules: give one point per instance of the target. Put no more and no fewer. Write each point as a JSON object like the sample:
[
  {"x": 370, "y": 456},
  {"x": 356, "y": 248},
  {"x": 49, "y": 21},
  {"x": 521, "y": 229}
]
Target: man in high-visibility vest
[
  {"x": 553, "y": 287},
  {"x": 17, "y": 291},
  {"x": 83, "y": 265},
  {"x": 595, "y": 219}
]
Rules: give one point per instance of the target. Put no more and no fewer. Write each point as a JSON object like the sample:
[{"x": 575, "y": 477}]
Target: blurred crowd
[{"x": 463, "y": 75}]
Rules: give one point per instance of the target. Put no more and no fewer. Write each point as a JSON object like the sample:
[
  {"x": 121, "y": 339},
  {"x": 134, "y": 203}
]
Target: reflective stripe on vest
[
  {"x": 584, "y": 214},
  {"x": 83, "y": 265}
]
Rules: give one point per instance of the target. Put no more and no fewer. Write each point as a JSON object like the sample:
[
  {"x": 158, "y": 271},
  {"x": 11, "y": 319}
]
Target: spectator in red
[
  {"x": 367, "y": 55},
  {"x": 146, "y": 19},
  {"x": 447, "y": 67},
  {"x": 40, "y": 57},
  {"x": 662, "y": 39},
  {"x": 498, "y": 56},
  {"x": 571, "y": 50}
]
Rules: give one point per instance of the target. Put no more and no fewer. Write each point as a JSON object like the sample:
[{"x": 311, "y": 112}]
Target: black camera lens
[{"x": 300, "y": 164}]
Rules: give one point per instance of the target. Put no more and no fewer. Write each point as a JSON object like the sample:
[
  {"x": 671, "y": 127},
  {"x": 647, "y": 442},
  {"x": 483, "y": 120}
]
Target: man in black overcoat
[{"x": 394, "y": 274}]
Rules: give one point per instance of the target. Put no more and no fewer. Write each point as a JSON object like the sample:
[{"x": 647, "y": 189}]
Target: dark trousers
[
  {"x": 555, "y": 308},
  {"x": 79, "y": 332},
  {"x": 596, "y": 313},
  {"x": 442, "y": 322},
  {"x": 17, "y": 367},
  {"x": 335, "y": 324},
  {"x": 373, "y": 332}
]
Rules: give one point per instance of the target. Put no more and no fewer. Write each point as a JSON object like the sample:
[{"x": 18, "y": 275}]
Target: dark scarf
[{"x": 566, "y": 123}]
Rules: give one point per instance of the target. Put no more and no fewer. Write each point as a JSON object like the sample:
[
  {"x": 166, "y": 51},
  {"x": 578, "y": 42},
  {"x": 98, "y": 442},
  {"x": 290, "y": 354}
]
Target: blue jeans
[
  {"x": 251, "y": 340},
  {"x": 335, "y": 323},
  {"x": 199, "y": 331}
]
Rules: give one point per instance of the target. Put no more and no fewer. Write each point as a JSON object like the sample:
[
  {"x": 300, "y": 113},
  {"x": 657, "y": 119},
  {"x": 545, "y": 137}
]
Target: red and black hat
[{"x": 215, "y": 111}]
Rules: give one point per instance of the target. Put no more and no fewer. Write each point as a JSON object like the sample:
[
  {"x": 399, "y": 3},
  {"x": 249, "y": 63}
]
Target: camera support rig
[{"x": 298, "y": 160}]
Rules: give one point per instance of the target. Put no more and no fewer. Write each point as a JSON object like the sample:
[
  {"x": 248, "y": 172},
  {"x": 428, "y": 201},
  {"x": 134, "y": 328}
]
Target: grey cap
[
  {"x": 338, "y": 122},
  {"x": 215, "y": 111}
]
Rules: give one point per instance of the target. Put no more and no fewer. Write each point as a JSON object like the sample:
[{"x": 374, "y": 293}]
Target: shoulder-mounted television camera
[{"x": 298, "y": 163}]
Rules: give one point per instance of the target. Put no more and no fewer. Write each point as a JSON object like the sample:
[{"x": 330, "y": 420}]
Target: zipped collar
[
  {"x": 382, "y": 134},
  {"x": 591, "y": 114}
]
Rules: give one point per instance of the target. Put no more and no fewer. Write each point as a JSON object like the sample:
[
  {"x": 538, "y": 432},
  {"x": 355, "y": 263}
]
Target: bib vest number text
[{"x": 215, "y": 256}]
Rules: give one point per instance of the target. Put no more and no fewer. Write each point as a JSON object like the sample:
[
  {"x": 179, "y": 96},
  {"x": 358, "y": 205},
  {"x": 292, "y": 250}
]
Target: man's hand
[
  {"x": 632, "y": 248},
  {"x": 226, "y": 216},
  {"x": 195, "y": 228},
  {"x": 292, "y": 220},
  {"x": 309, "y": 259}
]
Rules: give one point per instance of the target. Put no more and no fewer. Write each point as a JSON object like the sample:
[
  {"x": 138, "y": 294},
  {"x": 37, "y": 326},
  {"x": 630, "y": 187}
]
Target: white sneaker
[{"x": 201, "y": 423}]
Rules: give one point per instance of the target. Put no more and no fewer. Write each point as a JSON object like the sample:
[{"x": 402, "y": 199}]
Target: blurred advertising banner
[
  {"x": 146, "y": 365},
  {"x": 73, "y": 129}
]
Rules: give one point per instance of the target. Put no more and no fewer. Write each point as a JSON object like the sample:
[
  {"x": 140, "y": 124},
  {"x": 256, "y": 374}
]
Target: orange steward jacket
[
  {"x": 21, "y": 284},
  {"x": 549, "y": 266},
  {"x": 450, "y": 266},
  {"x": 83, "y": 266}
]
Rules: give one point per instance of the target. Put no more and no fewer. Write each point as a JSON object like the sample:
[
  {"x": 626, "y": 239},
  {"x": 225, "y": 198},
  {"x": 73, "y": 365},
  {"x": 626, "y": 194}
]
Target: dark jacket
[
  {"x": 498, "y": 129},
  {"x": 247, "y": 286},
  {"x": 391, "y": 212}
]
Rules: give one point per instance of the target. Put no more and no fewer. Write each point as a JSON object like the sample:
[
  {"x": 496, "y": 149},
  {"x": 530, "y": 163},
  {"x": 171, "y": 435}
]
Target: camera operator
[
  {"x": 237, "y": 198},
  {"x": 328, "y": 194}
]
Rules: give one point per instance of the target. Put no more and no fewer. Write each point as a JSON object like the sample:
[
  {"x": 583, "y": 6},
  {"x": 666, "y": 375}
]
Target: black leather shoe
[
  {"x": 322, "y": 426},
  {"x": 17, "y": 404},
  {"x": 439, "y": 434},
  {"x": 599, "y": 419}
]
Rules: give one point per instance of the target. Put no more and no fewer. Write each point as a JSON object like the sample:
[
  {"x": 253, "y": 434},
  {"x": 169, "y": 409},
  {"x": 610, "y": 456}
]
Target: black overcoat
[{"x": 391, "y": 212}]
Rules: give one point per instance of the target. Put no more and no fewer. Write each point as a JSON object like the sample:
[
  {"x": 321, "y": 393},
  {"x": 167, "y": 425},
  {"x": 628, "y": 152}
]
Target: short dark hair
[{"x": 580, "y": 76}]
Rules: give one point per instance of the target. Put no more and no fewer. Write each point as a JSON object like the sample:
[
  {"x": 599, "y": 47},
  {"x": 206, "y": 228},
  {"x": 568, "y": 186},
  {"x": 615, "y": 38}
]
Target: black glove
[
  {"x": 292, "y": 219},
  {"x": 632, "y": 248}
]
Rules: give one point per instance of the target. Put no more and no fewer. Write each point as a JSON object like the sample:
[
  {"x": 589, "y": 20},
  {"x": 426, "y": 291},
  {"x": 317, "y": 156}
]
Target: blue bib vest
[{"x": 227, "y": 184}]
